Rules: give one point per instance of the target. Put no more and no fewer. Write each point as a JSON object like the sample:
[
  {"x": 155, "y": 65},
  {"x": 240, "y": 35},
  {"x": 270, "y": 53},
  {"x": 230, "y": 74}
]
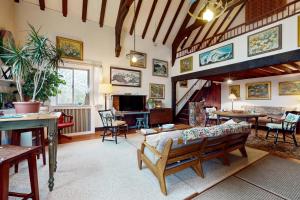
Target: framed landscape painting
[
  {"x": 289, "y": 88},
  {"x": 236, "y": 90},
  {"x": 265, "y": 41},
  {"x": 157, "y": 91},
  {"x": 186, "y": 64},
  {"x": 160, "y": 68},
  {"x": 141, "y": 59},
  {"x": 216, "y": 55},
  {"x": 71, "y": 49},
  {"x": 258, "y": 91},
  {"x": 125, "y": 77}
]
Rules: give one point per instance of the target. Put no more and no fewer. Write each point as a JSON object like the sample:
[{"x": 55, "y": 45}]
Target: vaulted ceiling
[{"x": 162, "y": 21}]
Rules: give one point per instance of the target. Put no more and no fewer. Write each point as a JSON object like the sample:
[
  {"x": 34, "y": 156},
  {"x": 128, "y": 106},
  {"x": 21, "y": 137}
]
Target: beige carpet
[{"x": 91, "y": 170}]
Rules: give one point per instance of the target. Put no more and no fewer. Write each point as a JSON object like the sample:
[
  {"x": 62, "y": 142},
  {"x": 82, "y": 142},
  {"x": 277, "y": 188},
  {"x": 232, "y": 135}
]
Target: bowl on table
[{"x": 168, "y": 126}]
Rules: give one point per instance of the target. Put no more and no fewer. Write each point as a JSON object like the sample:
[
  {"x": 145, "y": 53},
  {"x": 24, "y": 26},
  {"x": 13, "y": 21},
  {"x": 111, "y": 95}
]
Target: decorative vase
[{"x": 27, "y": 107}]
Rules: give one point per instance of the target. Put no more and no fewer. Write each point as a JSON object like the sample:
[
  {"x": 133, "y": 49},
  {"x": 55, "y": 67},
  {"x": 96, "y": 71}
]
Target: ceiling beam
[
  {"x": 198, "y": 34},
  {"x": 137, "y": 11},
  {"x": 296, "y": 65},
  {"x": 122, "y": 13},
  {"x": 173, "y": 21},
  {"x": 65, "y": 7},
  {"x": 161, "y": 20},
  {"x": 17, "y": 1},
  {"x": 185, "y": 40},
  {"x": 102, "y": 12},
  {"x": 42, "y": 4},
  {"x": 208, "y": 32},
  {"x": 149, "y": 18},
  {"x": 84, "y": 10}
]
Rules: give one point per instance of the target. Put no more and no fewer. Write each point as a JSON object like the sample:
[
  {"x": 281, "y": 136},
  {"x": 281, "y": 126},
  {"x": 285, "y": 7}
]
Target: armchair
[
  {"x": 64, "y": 121},
  {"x": 286, "y": 126}
]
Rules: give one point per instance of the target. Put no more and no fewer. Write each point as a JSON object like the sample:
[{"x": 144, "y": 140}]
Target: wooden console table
[
  {"x": 27, "y": 121},
  {"x": 144, "y": 113}
]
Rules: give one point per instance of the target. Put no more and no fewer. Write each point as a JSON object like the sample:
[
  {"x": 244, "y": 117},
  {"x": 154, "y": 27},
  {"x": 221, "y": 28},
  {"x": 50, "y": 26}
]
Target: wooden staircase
[{"x": 210, "y": 92}]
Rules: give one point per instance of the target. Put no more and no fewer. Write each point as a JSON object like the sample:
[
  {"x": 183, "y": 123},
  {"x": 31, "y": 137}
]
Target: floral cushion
[
  {"x": 292, "y": 118},
  {"x": 210, "y": 112}
]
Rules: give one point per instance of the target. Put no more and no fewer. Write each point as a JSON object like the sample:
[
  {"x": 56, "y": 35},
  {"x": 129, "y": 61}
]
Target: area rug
[
  {"x": 91, "y": 170},
  {"x": 285, "y": 150}
]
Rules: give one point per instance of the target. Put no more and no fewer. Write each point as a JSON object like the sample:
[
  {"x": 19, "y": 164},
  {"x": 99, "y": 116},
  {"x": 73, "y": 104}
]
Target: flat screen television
[{"x": 131, "y": 102}]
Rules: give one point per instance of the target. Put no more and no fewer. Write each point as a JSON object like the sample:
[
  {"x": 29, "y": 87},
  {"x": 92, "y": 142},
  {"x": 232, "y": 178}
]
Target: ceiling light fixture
[{"x": 229, "y": 80}]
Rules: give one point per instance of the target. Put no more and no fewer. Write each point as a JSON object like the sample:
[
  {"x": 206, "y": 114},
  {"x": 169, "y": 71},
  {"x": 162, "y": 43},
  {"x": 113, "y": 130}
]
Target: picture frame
[
  {"x": 183, "y": 84},
  {"x": 289, "y": 88},
  {"x": 186, "y": 64},
  {"x": 265, "y": 41},
  {"x": 216, "y": 55},
  {"x": 71, "y": 49},
  {"x": 160, "y": 68},
  {"x": 236, "y": 90},
  {"x": 141, "y": 59},
  {"x": 258, "y": 91},
  {"x": 156, "y": 91},
  {"x": 125, "y": 77}
]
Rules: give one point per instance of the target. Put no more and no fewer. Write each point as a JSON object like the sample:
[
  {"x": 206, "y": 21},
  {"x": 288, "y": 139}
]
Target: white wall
[
  {"x": 7, "y": 18},
  {"x": 99, "y": 45},
  {"x": 291, "y": 102}
]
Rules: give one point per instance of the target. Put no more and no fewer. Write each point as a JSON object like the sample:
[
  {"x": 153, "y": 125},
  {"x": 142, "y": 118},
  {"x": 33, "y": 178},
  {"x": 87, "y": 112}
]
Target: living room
[{"x": 157, "y": 99}]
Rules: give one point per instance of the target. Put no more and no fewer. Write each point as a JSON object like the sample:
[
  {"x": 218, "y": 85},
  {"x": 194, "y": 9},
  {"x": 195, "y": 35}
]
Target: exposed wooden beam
[
  {"x": 149, "y": 18},
  {"x": 65, "y": 7},
  {"x": 102, "y": 13},
  {"x": 42, "y": 4},
  {"x": 161, "y": 20},
  {"x": 84, "y": 10},
  {"x": 295, "y": 64},
  {"x": 197, "y": 35},
  {"x": 137, "y": 11},
  {"x": 17, "y": 1},
  {"x": 173, "y": 21},
  {"x": 123, "y": 11},
  {"x": 208, "y": 31},
  {"x": 185, "y": 40}
]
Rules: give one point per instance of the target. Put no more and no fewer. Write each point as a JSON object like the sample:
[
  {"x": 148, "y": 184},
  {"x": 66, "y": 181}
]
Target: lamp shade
[
  {"x": 232, "y": 96},
  {"x": 105, "y": 88}
]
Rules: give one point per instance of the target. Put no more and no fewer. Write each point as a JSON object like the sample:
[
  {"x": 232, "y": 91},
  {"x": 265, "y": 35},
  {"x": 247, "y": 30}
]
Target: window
[{"x": 76, "y": 90}]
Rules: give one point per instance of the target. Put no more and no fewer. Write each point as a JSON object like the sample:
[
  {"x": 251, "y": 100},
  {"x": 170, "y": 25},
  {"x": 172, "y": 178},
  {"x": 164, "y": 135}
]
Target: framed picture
[
  {"x": 157, "y": 91},
  {"x": 258, "y": 91},
  {"x": 71, "y": 49},
  {"x": 265, "y": 41},
  {"x": 236, "y": 90},
  {"x": 125, "y": 77},
  {"x": 216, "y": 55},
  {"x": 289, "y": 88},
  {"x": 160, "y": 68},
  {"x": 186, "y": 64},
  {"x": 141, "y": 59},
  {"x": 183, "y": 84}
]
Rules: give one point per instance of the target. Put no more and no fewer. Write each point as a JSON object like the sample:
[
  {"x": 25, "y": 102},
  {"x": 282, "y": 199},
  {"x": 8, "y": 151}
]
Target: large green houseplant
[{"x": 38, "y": 56}]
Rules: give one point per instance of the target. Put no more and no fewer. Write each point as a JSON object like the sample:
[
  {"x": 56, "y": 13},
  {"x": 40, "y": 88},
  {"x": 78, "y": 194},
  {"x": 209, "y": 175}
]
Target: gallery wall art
[
  {"x": 141, "y": 59},
  {"x": 159, "y": 68},
  {"x": 216, "y": 55},
  {"x": 236, "y": 90},
  {"x": 156, "y": 91},
  {"x": 289, "y": 88},
  {"x": 125, "y": 77},
  {"x": 258, "y": 91},
  {"x": 71, "y": 49},
  {"x": 186, "y": 64}
]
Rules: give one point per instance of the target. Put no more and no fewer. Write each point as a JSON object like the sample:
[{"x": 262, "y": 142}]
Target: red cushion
[{"x": 65, "y": 125}]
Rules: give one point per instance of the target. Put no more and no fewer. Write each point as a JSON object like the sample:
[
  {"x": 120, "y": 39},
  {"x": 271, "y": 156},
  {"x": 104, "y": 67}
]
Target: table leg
[
  {"x": 256, "y": 125},
  {"x": 52, "y": 137},
  {"x": 146, "y": 120},
  {"x": 218, "y": 119}
]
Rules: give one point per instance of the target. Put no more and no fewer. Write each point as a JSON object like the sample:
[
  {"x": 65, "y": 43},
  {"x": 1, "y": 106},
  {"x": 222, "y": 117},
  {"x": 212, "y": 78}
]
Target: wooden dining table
[
  {"x": 37, "y": 120},
  {"x": 240, "y": 115}
]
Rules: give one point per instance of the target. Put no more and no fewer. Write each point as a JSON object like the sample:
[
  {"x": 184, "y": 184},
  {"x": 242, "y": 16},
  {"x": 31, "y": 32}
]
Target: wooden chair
[
  {"x": 171, "y": 161},
  {"x": 9, "y": 155},
  {"x": 210, "y": 117},
  {"x": 64, "y": 121},
  {"x": 286, "y": 126},
  {"x": 112, "y": 126}
]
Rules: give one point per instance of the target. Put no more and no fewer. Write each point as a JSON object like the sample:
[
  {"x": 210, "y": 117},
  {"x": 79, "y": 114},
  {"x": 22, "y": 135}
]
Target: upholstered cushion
[
  {"x": 210, "y": 112},
  {"x": 118, "y": 123},
  {"x": 292, "y": 118},
  {"x": 274, "y": 126}
]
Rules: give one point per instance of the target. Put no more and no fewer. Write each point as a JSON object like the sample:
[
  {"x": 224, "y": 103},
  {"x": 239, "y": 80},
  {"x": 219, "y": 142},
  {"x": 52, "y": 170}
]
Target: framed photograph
[
  {"x": 183, "y": 84},
  {"x": 216, "y": 55},
  {"x": 125, "y": 77},
  {"x": 160, "y": 68},
  {"x": 186, "y": 64},
  {"x": 258, "y": 91},
  {"x": 156, "y": 91},
  {"x": 236, "y": 90},
  {"x": 289, "y": 88},
  {"x": 141, "y": 59},
  {"x": 71, "y": 49},
  {"x": 265, "y": 41}
]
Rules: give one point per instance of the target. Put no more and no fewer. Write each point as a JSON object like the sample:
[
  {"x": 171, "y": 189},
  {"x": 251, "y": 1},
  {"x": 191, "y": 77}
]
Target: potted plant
[{"x": 38, "y": 56}]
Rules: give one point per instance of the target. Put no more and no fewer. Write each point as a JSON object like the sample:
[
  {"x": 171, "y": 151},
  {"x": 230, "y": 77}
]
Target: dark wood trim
[
  {"x": 102, "y": 13},
  {"x": 185, "y": 40},
  {"x": 84, "y": 10},
  {"x": 161, "y": 20},
  {"x": 173, "y": 88},
  {"x": 17, "y": 1},
  {"x": 137, "y": 11},
  {"x": 173, "y": 21},
  {"x": 42, "y": 4},
  {"x": 149, "y": 18},
  {"x": 65, "y": 7}
]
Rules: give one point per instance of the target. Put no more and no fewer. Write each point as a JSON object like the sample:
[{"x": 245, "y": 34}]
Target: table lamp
[
  {"x": 232, "y": 97},
  {"x": 106, "y": 89}
]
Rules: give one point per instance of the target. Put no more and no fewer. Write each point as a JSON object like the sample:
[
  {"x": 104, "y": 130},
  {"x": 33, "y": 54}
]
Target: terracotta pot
[{"x": 27, "y": 107}]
